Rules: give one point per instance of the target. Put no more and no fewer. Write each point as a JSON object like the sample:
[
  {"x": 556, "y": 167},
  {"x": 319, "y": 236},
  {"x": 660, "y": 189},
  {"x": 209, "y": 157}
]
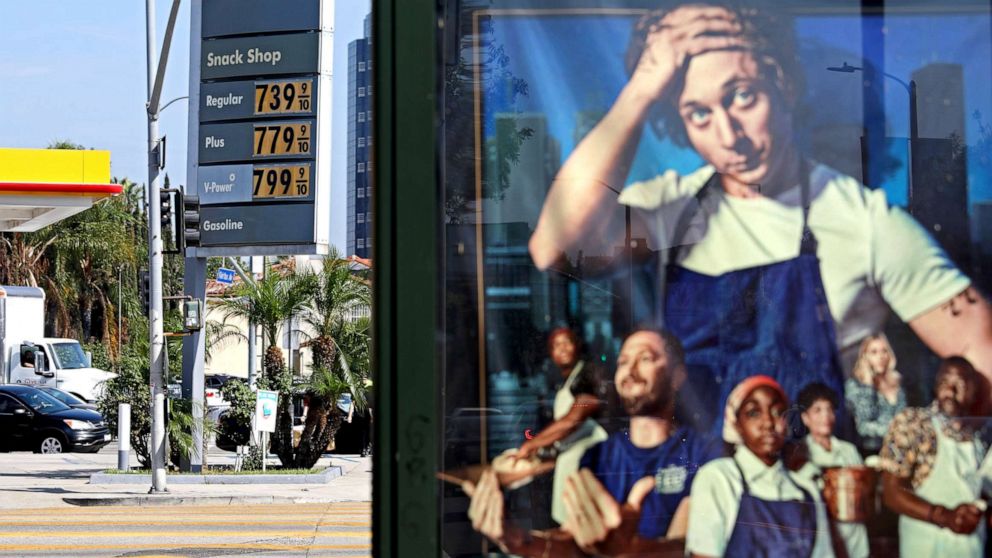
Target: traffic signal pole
[{"x": 156, "y": 334}]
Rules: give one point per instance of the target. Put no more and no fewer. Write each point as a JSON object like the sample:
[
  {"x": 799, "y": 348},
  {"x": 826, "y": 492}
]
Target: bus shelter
[{"x": 780, "y": 189}]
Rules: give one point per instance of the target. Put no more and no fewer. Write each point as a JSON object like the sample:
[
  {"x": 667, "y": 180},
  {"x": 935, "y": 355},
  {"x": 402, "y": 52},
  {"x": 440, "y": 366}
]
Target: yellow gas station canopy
[{"x": 39, "y": 187}]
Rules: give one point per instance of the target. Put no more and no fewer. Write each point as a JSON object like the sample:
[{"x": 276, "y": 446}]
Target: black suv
[{"x": 31, "y": 419}]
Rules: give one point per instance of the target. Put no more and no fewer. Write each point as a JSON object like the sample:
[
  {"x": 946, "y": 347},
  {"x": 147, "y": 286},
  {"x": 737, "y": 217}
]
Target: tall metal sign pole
[
  {"x": 195, "y": 268},
  {"x": 156, "y": 74}
]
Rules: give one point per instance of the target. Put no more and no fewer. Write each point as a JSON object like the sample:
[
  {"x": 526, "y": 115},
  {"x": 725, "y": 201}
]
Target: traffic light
[
  {"x": 144, "y": 288},
  {"x": 166, "y": 211},
  {"x": 191, "y": 221},
  {"x": 193, "y": 314},
  {"x": 165, "y": 199}
]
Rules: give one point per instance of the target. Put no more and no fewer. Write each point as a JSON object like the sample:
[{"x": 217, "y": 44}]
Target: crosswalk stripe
[
  {"x": 132, "y": 546},
  {"x": 254, "y": 508},
  {"x": 145, "y": 511},
  {"x": 186, "y": 521},
  {"x": 198, "y": 534}
]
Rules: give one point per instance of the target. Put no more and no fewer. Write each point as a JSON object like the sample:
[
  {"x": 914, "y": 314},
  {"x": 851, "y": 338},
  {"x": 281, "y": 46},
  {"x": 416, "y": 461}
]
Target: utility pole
[
  {"x": 156, "y": 75},
  {"x": 248, "y": 280},
  {"x": 195, "y": 268}
]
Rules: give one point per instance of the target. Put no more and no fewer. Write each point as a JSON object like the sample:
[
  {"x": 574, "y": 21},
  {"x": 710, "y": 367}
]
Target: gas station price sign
[
  {"x": 273, "y": 140},
  {"x": 281, "y": 181},
  {"x": 284, "y": 97},
  {"x": 262, "y": 94}
]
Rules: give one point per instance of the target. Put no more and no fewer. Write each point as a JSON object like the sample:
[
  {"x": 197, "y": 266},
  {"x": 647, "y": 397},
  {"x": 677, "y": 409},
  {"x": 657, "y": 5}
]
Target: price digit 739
[{"x": 276, "y": 97}]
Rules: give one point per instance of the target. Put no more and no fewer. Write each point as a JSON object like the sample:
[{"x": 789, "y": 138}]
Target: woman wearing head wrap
[{"x": 750, "y": 505}]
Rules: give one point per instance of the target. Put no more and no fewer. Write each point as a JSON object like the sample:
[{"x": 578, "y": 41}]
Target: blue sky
[{"x": 76, "y": 71}]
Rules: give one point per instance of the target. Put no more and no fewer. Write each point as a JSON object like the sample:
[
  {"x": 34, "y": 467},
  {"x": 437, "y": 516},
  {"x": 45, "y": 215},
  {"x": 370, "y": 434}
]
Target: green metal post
[{"x": 405, "y": 201}]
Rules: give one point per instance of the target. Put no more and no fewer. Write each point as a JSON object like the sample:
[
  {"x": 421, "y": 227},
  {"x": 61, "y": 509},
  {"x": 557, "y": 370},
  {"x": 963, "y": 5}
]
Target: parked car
[
  {"x": 214, "y": 398},
  {"x": 68, "y": 398},
  {"x": 231, "y": 433},
  {"x": 31, "y": 419},
  {"x": 212, "y": 393},
  {"x": 216, "y": 381}
]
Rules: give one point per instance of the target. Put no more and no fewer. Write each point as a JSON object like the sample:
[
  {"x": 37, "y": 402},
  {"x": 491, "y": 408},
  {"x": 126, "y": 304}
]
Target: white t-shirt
[
  {"x": 872, "y": 256},
  {"x": 716, "y": 495},
  {"x": 841, "y": 454}
]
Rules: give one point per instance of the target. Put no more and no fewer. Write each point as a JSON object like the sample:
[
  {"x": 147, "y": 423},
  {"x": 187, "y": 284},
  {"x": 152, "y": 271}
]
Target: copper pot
[{"x": 849, "y": 493}]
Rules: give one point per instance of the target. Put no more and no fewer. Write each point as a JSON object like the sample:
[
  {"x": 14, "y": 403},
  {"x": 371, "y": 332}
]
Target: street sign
[
  {"x": 225, "y": 276},
  {"x": 266, "y": 408},
  {"x": 246, "y": 17},
  {"x": 260, "y": 56}
]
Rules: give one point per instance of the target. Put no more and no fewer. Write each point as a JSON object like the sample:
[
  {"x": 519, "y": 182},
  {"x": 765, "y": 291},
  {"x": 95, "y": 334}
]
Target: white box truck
[{"x": 28, "y": 357}]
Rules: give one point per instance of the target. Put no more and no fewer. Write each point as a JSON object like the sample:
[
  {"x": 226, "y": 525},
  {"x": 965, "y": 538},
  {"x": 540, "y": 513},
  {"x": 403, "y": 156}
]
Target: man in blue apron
[
  {"x": 936, "y": 471},
  {"x": 772, "y": 262},
  {"x": 638, "y": 478}
]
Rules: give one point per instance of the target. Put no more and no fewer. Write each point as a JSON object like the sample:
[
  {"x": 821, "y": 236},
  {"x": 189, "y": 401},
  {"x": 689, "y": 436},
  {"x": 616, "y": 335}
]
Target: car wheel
[{"x": 51, "y": 444}]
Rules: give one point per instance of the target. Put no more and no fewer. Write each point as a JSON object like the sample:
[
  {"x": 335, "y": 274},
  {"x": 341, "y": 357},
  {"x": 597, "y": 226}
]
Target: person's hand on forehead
[
  {"x": 681, "y": 34},
  {"x": 693, "y": 27}
]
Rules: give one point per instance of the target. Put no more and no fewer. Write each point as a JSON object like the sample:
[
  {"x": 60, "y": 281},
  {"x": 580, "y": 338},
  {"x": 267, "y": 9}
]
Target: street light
[
  {"x": 913, "y": 124},
  {"x": 909, "y": 87}
]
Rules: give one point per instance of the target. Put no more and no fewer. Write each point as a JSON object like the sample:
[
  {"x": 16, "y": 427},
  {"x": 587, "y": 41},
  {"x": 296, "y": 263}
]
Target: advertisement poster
[
  {"x": 716, "y": 279},
  {"x": 266, "y": 406}
]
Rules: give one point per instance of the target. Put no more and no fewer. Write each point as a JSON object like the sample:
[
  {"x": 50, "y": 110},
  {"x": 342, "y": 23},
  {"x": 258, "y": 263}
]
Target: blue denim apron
[
  {"x": 771, "y": 319},
  {"x": 772, "y": 528}
]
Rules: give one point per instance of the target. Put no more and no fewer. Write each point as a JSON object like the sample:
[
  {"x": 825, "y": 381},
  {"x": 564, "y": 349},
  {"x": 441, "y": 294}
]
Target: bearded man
[{"x": 631, "y": 494}]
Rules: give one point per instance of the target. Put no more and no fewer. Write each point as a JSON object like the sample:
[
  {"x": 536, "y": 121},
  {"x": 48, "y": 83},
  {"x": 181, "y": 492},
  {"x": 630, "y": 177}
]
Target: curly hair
[
  {"x": 814, "y": 392},
  {"x": 770, "y": 35},
  {"x": 567, "y": 332}
]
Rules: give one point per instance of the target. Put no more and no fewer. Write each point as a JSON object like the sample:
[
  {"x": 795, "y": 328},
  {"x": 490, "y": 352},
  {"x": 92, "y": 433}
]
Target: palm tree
[
  {"x": 269, "y": 302},
  {"x": 339, "y": 362},
  {"x": 77, "y": 262},
  {"x": 218, "y": 334}
]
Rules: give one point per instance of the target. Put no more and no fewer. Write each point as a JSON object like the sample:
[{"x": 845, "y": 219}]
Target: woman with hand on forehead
[{"x": 750, "y": 505}]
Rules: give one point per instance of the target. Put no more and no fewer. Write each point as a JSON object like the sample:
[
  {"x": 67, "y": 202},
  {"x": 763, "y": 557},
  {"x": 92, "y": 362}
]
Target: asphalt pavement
[
  {"x": 312, "y": 530},
  {"x": 191, "y": 520}
]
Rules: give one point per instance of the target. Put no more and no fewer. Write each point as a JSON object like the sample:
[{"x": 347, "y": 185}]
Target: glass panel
[
  {"x": 70, "y": 355},
  {"x": 688, "y": 245}
]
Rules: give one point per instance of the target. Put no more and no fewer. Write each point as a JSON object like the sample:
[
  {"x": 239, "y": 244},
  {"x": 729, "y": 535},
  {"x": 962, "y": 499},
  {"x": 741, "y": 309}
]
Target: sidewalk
[{"x": 29, "y": 480}]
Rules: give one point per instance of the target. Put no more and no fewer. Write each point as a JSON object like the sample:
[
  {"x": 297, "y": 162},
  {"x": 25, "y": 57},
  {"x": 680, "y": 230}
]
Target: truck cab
[
  {"x": 27, "y": 357},
  {"x": 59, "y": 363}
]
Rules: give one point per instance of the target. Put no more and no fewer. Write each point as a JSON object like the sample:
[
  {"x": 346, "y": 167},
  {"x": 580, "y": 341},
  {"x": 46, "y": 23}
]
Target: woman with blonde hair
[{"x": 874, "y": 391}]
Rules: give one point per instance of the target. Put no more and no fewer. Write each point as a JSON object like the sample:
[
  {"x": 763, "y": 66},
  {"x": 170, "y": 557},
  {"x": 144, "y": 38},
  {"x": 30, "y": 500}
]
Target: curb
[
  {"x": 322, "y": 477},
  {"x": 167, "y": 500}
]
